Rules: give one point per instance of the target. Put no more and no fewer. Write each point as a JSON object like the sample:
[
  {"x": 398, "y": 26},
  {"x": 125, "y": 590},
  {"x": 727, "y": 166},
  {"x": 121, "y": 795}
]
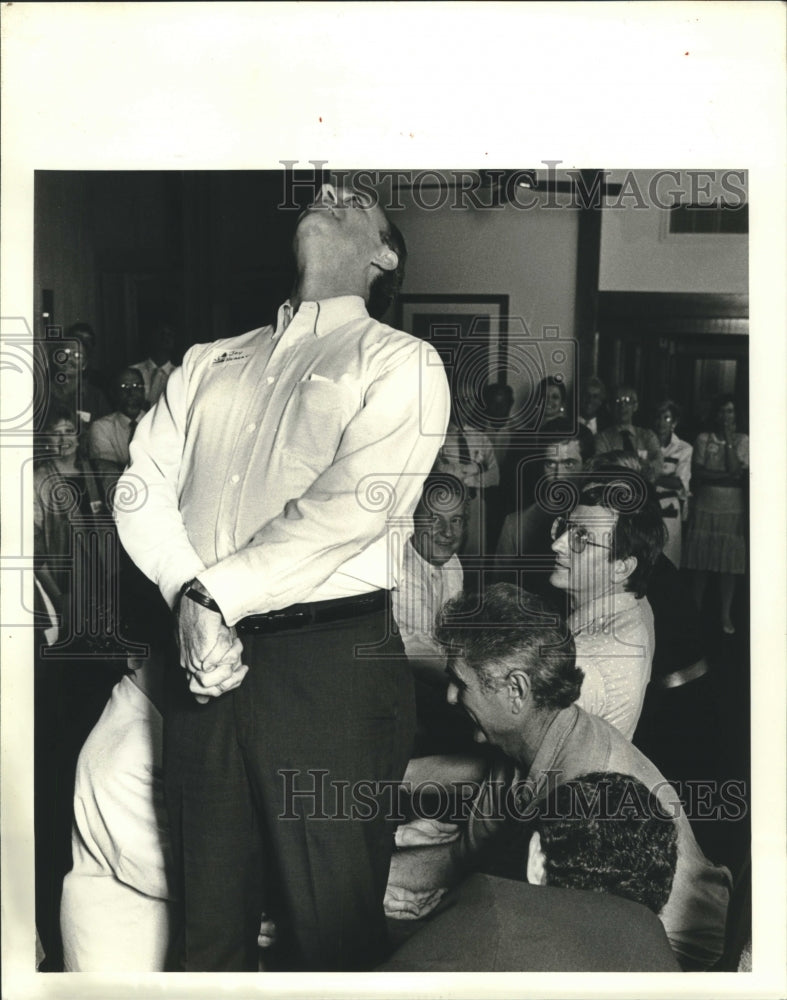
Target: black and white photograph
[{"x": 393, "y": 563}]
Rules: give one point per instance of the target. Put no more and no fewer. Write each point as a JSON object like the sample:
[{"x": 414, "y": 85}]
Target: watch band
[{"x": 203, "y": 599}]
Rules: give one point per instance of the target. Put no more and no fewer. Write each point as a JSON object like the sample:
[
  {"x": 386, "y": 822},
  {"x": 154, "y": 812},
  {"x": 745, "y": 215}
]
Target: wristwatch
[{"x": 199, "y": 598}]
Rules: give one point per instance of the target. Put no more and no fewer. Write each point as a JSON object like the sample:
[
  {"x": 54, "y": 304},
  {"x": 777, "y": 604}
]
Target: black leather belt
[{"x": 314, "y": 613}]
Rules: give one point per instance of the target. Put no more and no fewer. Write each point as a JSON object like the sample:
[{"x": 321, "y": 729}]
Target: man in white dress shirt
[
  {"x": 271, "y": 474},
  {"x": 605, "y": 552},
  {"x": 593, "y": 412},
  {"x": 158, "y": 366},
  {"x": 431, "y": 575},
  {"x": 109, "y": 437},
  {"x": 674, "y": 484},
  {"x": 431, "y": 571},
  {"x": 625, "y": 435}
]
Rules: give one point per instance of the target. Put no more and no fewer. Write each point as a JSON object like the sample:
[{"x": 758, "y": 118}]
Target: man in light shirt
[
  {"x": 593, "y": 411},
  {"x": 431, "y": 575},
  {"x": 158, "y": 366},
  {"x": 605, "y": 551},
  {"x": 513, "y": 671},
  {"x": 273, "y": 471},
  {"x": 674, "y": 484},
  {"x": 625, "y": 435},
  {"x": 109, "y": 437},
  {"x": 431, "y": 571}
]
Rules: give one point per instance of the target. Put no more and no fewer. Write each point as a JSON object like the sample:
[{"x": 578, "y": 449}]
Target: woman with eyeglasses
[{"x": 716, "y": 538}]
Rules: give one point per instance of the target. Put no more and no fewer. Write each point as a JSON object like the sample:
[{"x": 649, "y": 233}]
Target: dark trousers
[{"x": 273, "y": 801}]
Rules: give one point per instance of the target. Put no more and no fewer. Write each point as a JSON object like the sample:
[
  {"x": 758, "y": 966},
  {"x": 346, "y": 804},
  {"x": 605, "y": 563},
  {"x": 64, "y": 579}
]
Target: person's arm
[
  {"x": 669, "y": 482},
  {"x": 617, "y": 671},
  {"x": 592, "y": 694},
  {"x": 683, "y": 469},
  {"x": 127, "y": 818},
  {"x": 507, "y": 542},
  {"x": 388, "y": 447},
  {"x": 742, "y": 451},
  {"x": 604, "y": 442},
  {"x": 39, "y": 537},
  {"x": 98, "y": 443},
  {"x": 490, "y": 472},
  {"x": 446, "y": 770},
  {"x": 420, "y": 876},
  {"x": 655, "y": 458},
  {"x": 152, "y": 531},
  {"x": 146, "y": 506},
  {"x": 702, "y": 476},
  {"x": 736, "y": 453}
]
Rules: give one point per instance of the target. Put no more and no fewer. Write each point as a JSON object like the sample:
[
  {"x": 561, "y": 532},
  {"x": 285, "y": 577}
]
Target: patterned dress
[{"x": 716, "y": 539}]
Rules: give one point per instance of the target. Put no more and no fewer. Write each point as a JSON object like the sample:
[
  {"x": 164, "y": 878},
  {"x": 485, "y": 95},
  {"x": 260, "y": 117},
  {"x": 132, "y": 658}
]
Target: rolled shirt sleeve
[{"x": 146, "y": 509}]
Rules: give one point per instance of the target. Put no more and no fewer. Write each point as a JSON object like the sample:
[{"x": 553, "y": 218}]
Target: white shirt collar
[{"x": 324, "y": 316}]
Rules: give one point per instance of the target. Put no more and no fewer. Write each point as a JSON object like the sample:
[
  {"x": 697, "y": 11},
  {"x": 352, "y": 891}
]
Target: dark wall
[{"x": 209, "y": 251}]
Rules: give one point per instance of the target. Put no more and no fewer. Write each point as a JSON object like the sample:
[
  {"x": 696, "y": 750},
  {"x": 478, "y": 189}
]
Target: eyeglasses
[
  {"x": 569, "y": 464},
  {"x": 625, "y": 399},
  {"x": 131, "y": 385},
  {"x": 578, "y": 535}
]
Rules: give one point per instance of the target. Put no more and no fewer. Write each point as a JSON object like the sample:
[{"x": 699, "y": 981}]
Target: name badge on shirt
[{"x": 226, "y": 357}]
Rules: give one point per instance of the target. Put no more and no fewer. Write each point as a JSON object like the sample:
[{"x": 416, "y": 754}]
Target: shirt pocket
[{"x": 314, "y": 420}]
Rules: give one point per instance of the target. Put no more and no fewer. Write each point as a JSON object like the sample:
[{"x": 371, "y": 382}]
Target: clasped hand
[{"x": 210, "y": 651}]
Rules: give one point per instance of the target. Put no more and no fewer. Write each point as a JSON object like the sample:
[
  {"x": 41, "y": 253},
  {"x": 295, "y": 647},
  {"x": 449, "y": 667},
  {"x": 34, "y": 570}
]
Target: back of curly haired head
[
  {"x": 607, "y": 832},
  {"x": 512, "y": 628}
]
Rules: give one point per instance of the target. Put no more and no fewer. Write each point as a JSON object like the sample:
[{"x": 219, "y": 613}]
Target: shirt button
[
  {"x": 235, "y": 478},
  {"x": 251, "y": 427}
]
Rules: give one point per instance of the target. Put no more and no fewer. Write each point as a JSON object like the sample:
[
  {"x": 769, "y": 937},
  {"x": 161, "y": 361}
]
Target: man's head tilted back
[{"x": 349, "y": 242}]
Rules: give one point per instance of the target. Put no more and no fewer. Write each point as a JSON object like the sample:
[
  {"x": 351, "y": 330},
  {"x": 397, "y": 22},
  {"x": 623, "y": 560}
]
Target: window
[{"x": 717, "y": 218}]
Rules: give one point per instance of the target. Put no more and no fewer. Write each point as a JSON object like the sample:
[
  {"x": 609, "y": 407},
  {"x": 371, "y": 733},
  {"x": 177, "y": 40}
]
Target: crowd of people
[{"x": 355, "y": 672}]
